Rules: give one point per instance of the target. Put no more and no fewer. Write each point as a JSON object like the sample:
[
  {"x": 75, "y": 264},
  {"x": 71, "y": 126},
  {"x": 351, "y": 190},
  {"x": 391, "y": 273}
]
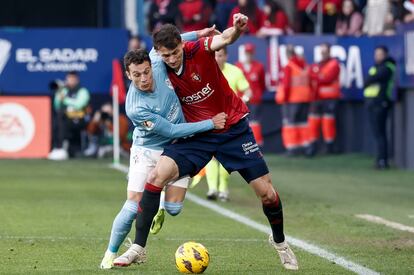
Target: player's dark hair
[
  {"x": 383, "y": 48},
  {"x": 136, "y": 57},
  {"x": 167, "y": 36},
  {"x": 74, "y": 73}
]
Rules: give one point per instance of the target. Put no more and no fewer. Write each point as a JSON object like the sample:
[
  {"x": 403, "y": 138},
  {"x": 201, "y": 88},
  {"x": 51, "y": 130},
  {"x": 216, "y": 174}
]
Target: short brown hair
[
  {"x": 167, "y": 36},
  {"x": 136, "y": 57}
]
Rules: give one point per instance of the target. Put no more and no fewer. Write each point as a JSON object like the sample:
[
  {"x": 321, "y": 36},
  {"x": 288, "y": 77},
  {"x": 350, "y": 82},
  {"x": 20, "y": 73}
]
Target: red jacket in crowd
[
  {"x": 255, "y": 75},
  {"x": 195, "y": 15},
  {"x": 325, "y": 79}
]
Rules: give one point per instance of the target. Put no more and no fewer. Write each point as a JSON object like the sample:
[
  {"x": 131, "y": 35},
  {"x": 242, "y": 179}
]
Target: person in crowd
[
  {"x": 162, "y": 12},
  {"x": 375, "y": 17},
  {"x": 100, "y": 133},
  {"x": 250, "y": 8},
  {"x": 70, "y": 117},
  {"x": 216, "y": 174},
  {"x": 350, "y": 20},
  {"x": 294, "y": 94},
  {"x": 330, "y": 10},
  {"x": 325, "y": 82},
  {"x": 276, "y": 21},
  {"x": 222, "y": 13},
  {"x": 194, "y": 15},
  {"x": 304, "y": 23},
  {"x": 202, "y": 90},
  {"x": 378, "y": 97},
  {"x": 409, "y": 11},
  {"x": 254, "y": 72},
  {"x": 135, "y": 43}
]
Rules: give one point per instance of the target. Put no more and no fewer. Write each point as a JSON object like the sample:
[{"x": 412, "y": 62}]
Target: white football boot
[
  {"x": 135, "y": 254},
  {"x": 287, "y": 257},
  {"x": 108, "y": 260}
]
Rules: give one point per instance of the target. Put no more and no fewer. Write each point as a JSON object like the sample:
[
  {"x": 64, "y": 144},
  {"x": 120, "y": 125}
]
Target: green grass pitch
[{"x": 55, "y": 218}]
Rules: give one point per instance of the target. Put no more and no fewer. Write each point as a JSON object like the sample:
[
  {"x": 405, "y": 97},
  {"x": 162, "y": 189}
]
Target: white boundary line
[
  {"x": 379, "y": 220},
  {"x": 60, "y": 238},
  {"x": 310, "y": 248}
]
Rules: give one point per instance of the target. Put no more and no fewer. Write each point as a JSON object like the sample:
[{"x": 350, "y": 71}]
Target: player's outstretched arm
[
  {"x": 231, "y": 34},
  {"x": 159, "y": 125}
]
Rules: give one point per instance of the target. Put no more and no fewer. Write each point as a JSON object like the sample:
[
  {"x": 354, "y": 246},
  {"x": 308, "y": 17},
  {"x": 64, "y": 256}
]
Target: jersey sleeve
[
  {"x": 157, "y": 124},
  {"x": 189, "y": 36}
]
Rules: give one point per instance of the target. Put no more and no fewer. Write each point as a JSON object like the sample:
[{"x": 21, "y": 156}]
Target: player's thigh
[
  {"x": 242, "y": 153},
  {"x": 191, "y": 155},
  {"x": 175, "y": 191},
  {"x": 142, "y": 161},
  {"x": 165, "y": 171}
]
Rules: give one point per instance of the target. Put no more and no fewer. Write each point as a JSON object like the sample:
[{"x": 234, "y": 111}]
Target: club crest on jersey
[
  {"x": 195, "y": 77},
  {"x": 169, "y": 84}
]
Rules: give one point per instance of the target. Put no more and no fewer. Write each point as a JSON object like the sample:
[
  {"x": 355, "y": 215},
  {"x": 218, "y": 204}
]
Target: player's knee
[
  {"x": 269, "y": 196},
  {"x": 173, "y": 208}
]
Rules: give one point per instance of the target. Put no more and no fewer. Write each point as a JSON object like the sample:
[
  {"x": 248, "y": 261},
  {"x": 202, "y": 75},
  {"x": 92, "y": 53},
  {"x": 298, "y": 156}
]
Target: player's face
[
  {"x": 325, "y": 52},
  {"x": 141, "y": 75},
  {"x": 221, "y": 58},
  {"x": 72, "y": 81},
  {"x": 379, "y": 55},
  {"x": 173, "y": 58}
]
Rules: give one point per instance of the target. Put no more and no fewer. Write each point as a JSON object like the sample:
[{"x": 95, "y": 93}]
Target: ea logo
[{"x": 17, "y": 127}]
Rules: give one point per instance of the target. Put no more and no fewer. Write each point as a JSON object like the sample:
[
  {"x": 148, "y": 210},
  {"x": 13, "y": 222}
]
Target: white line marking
[
  {"x": 60, "y": 238},
  {"x": 310, "y": 248},
  {"x": 379, "y": 220},
  {"x": 52, "y": 238}
]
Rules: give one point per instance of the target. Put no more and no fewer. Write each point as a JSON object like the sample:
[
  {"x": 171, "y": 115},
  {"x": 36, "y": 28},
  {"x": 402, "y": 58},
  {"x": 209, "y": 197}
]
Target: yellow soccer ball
[{"x": 192, "y": 257}]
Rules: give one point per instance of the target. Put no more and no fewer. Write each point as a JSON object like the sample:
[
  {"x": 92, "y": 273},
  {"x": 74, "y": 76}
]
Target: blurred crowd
[{"x": 274, "y": 17}]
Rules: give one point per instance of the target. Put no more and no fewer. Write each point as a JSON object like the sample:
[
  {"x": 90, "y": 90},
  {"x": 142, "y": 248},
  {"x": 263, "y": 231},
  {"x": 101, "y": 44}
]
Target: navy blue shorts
[{"x": 236, "y": 149}]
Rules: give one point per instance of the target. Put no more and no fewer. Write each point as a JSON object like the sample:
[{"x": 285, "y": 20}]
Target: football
[{"x": 192, "y": 257}]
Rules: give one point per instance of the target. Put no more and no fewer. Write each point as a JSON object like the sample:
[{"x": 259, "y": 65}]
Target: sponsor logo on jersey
[
  {"x": 198, "y": 96},
  {"x": 5, "y": 48},
  {"x": 195, "y": 77},
  {"x": 250, "y": 147}
]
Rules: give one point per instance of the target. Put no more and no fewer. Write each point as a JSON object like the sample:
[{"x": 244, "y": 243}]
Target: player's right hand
[
  {"x": 240, "y": 21},
  {"x": 219, "y": 120}
]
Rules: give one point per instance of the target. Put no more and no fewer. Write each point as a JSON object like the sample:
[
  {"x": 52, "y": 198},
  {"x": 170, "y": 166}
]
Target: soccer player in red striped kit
[{"x": 203, "y": 90}]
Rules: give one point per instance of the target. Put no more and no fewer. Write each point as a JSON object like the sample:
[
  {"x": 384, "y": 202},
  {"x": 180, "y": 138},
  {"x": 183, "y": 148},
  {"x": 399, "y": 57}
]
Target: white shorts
[{"x": 141, "y": 162}]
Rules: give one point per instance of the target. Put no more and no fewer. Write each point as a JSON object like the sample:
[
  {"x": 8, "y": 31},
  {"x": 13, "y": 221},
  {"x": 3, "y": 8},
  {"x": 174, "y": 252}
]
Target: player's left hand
[
  {"x": 208, "y": 32},
  {"x": 240, "y": 22}
]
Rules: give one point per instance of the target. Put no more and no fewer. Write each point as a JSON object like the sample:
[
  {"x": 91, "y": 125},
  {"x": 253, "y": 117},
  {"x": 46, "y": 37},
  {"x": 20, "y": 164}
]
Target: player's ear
[{"x": 128, "y": 75}]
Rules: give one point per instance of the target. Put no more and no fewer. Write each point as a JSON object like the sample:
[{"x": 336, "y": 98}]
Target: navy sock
[
  {"x": 274, "y": 214},
  {"x": 147, "y": 209}
]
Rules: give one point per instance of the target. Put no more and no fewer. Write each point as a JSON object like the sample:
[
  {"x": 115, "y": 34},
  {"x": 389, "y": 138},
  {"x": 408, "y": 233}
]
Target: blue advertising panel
[
  {"x": 31, "y": 58},
  {"x": 356, "y": 56}
]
